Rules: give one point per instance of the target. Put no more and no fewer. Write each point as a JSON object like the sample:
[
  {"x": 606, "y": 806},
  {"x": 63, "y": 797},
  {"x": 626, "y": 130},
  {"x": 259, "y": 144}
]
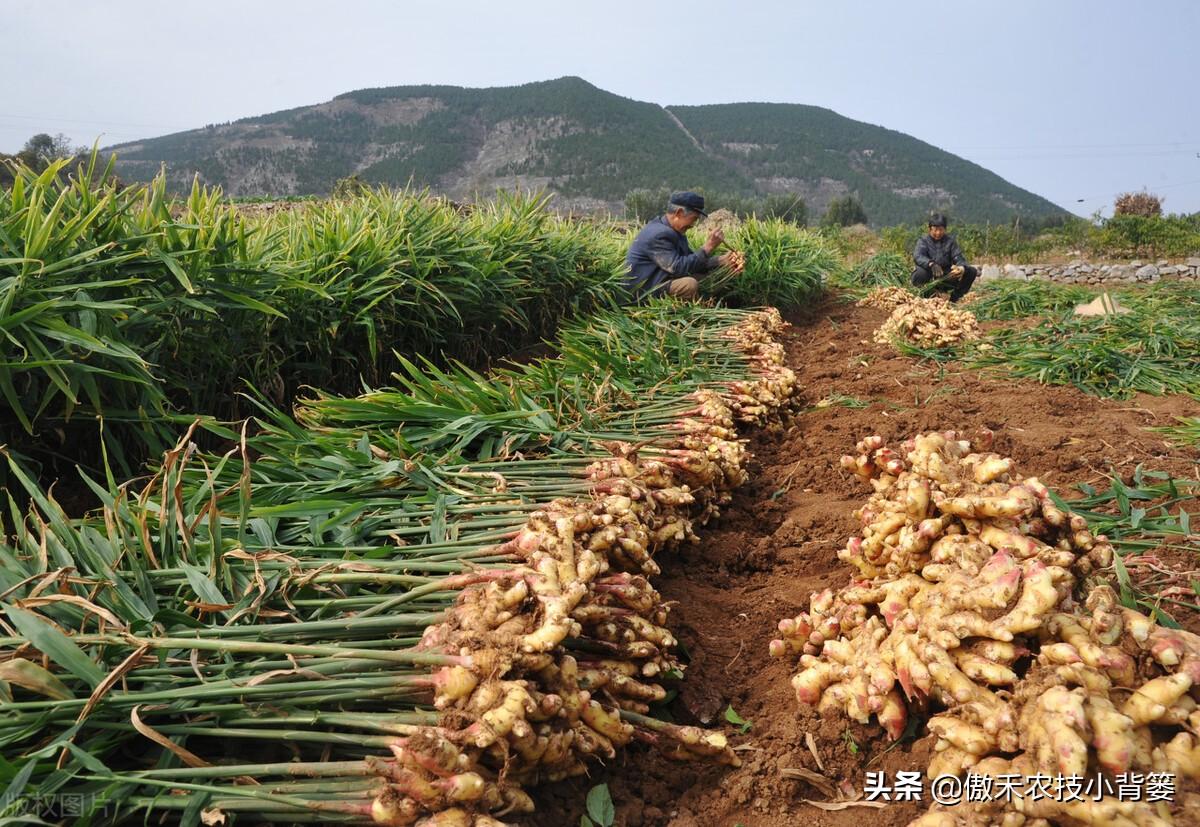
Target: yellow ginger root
[
  {"x": 1107, "y": 623},
  {"x": 986, "y": 468},
  {"x": 951, "y": 686},
  {"x": 1112, "y": 734},
  {"x": 1150, "y": 702},
  {"x": 394, "y": 810},
  {"x": 887, "y": 298},
  {"x": 810, "y": 684},
  {"x": 971, "y": 739},
  {"x": 1108, "y": 659},
  {"x": 957, "y": 551},
  {"x": 448, "y": 818},
  {"x": 1053, "y": 729},
  {"x": 826, "y": 619},
  {"x": 892, "y": 597},
  {"x": 933, "y": 322},
  {"x": 1180, "y": 756},
  {"x": 1180, "y": 713},
  {"x": 1018, "y": 502},
  {"x": 1038, "y": 596},
  {"x": 607, "y": 723},
  {"x": 858, "y": 672},
  {"x": 963, "y": 571},
  {"x": 950, "y": 760},
  {"x": 983, "y": 669}
]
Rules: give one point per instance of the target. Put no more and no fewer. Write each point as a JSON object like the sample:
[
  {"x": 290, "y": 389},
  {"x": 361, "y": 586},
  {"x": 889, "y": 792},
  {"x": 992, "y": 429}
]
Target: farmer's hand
[
  {"x": 956, "y": 271},
  {"x": 734, "y": 262},
  {"x": 715, "y": 239},
  {"x": 936, "y": 269}
]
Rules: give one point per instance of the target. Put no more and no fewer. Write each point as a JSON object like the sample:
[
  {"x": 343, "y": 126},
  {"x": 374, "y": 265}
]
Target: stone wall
[{"x": 1085, "y": 272}]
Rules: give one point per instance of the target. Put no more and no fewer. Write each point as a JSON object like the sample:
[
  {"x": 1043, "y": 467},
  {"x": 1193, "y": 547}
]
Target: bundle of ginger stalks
[
  {"x": 926, "y": 322},
  {"x": 522, "y": 582},
  {"x": 978, "y": 602},
  {"x": 538, "y": 712}
]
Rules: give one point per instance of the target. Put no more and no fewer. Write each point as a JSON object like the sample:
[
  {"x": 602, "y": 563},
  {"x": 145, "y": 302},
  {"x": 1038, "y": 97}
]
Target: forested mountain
[{"x": 589, "y": 146}]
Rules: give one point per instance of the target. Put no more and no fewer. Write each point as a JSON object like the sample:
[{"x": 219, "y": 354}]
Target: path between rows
[{"x": 776, "y": 544}]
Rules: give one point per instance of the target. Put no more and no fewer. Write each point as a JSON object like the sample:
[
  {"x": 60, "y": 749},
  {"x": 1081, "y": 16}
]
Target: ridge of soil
[{"x": 776, "y": 544}]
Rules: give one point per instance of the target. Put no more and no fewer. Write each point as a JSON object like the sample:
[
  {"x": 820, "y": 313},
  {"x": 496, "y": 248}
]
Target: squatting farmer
[
  {"x": 940, "y": 263},
  {"x": 660, "y": 260}
]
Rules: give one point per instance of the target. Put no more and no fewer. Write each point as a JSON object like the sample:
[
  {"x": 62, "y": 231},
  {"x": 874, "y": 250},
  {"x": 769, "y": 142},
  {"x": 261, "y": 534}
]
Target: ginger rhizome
[
  {"x": 977, "y": 603},
  {"x": 563, "y": 653},
  {"x": 932, "y": 322}
]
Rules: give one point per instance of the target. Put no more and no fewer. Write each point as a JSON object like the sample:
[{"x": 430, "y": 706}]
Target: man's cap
[
  {"x": 937, "y": 220},
  {"x": 688, "y": 200}
]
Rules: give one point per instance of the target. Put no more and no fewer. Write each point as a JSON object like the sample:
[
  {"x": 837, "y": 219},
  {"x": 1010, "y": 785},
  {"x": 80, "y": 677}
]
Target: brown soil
[{"x": 776, "y": 544}]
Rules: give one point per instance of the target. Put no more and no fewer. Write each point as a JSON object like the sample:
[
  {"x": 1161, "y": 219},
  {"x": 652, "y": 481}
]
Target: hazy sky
[{"x": 1069, "y": 99}]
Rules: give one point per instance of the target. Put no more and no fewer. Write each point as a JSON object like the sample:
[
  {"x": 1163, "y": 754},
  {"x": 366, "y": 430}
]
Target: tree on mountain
[
  {"x": 350, "y": 187},
  {"x": 788, "y": 207},
  {"x": 38, "y": 153},
  {"x": 844, "y": 212},
  {"x": 44, "y": 149},
  {"x": 641, "y": 205}
]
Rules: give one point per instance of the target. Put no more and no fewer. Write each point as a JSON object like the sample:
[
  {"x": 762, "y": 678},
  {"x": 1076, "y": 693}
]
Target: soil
[{"x": 776, "y": 543}]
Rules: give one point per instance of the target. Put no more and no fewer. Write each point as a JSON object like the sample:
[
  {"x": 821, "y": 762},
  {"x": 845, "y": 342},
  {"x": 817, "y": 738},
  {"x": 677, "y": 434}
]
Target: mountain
[{"x": 589, "y": 146}]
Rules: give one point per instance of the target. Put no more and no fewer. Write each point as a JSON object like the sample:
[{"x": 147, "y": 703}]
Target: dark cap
[
  {"x": 688, "y": 200},
  {"x": 936, "y": 219}
]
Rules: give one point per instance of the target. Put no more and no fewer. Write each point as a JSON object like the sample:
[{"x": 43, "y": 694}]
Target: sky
[{"x": 1076, "y": 101}]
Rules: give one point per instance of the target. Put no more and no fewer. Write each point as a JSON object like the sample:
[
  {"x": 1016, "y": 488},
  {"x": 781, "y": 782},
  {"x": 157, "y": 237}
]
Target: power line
[
  {"x": 1177, "y": 184},
  {"x": 13, "y": 130},
  {"x": 1093, "y": 198},
  {"x": 1074, "y": 146},
  {"x": 1083, "y": 157},
  {"x": 91, "y": 121}
]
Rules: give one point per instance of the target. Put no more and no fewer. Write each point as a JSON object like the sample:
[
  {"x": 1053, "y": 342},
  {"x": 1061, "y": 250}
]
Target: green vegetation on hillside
[
  {"x": 895, "y": 176},
  {"x": 844, "y": 212},
  {"x": 569, "y": 137},
  {"x": 589, "y": 142}
]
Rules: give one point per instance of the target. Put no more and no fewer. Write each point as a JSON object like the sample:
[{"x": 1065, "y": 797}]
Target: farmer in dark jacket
[
  {"x": 940, "y": 262},
  {"x": 660, "y": 260}
]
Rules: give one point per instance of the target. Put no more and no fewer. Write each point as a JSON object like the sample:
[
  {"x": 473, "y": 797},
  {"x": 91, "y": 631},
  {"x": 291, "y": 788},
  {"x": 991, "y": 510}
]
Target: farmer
[
  {"x": 940, "y": 262},
  {"x": 660, "y": 260}
]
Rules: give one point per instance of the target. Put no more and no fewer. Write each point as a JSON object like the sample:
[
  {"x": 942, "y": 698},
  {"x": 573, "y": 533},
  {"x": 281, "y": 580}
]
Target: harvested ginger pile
[
  {"x": 977, "y": 604},
  {"x": 887, "y": 298},
  {"x": 926, "y": 322}
]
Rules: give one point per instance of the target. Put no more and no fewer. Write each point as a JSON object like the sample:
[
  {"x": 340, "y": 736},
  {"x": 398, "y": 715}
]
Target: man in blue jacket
[
  {"x": 660, "y": 260},
  {"x": 940, "y": 262}
]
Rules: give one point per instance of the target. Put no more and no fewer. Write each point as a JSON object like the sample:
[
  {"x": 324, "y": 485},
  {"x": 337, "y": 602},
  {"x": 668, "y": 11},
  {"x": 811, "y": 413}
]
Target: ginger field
[{"x": 383, "y": 510}]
